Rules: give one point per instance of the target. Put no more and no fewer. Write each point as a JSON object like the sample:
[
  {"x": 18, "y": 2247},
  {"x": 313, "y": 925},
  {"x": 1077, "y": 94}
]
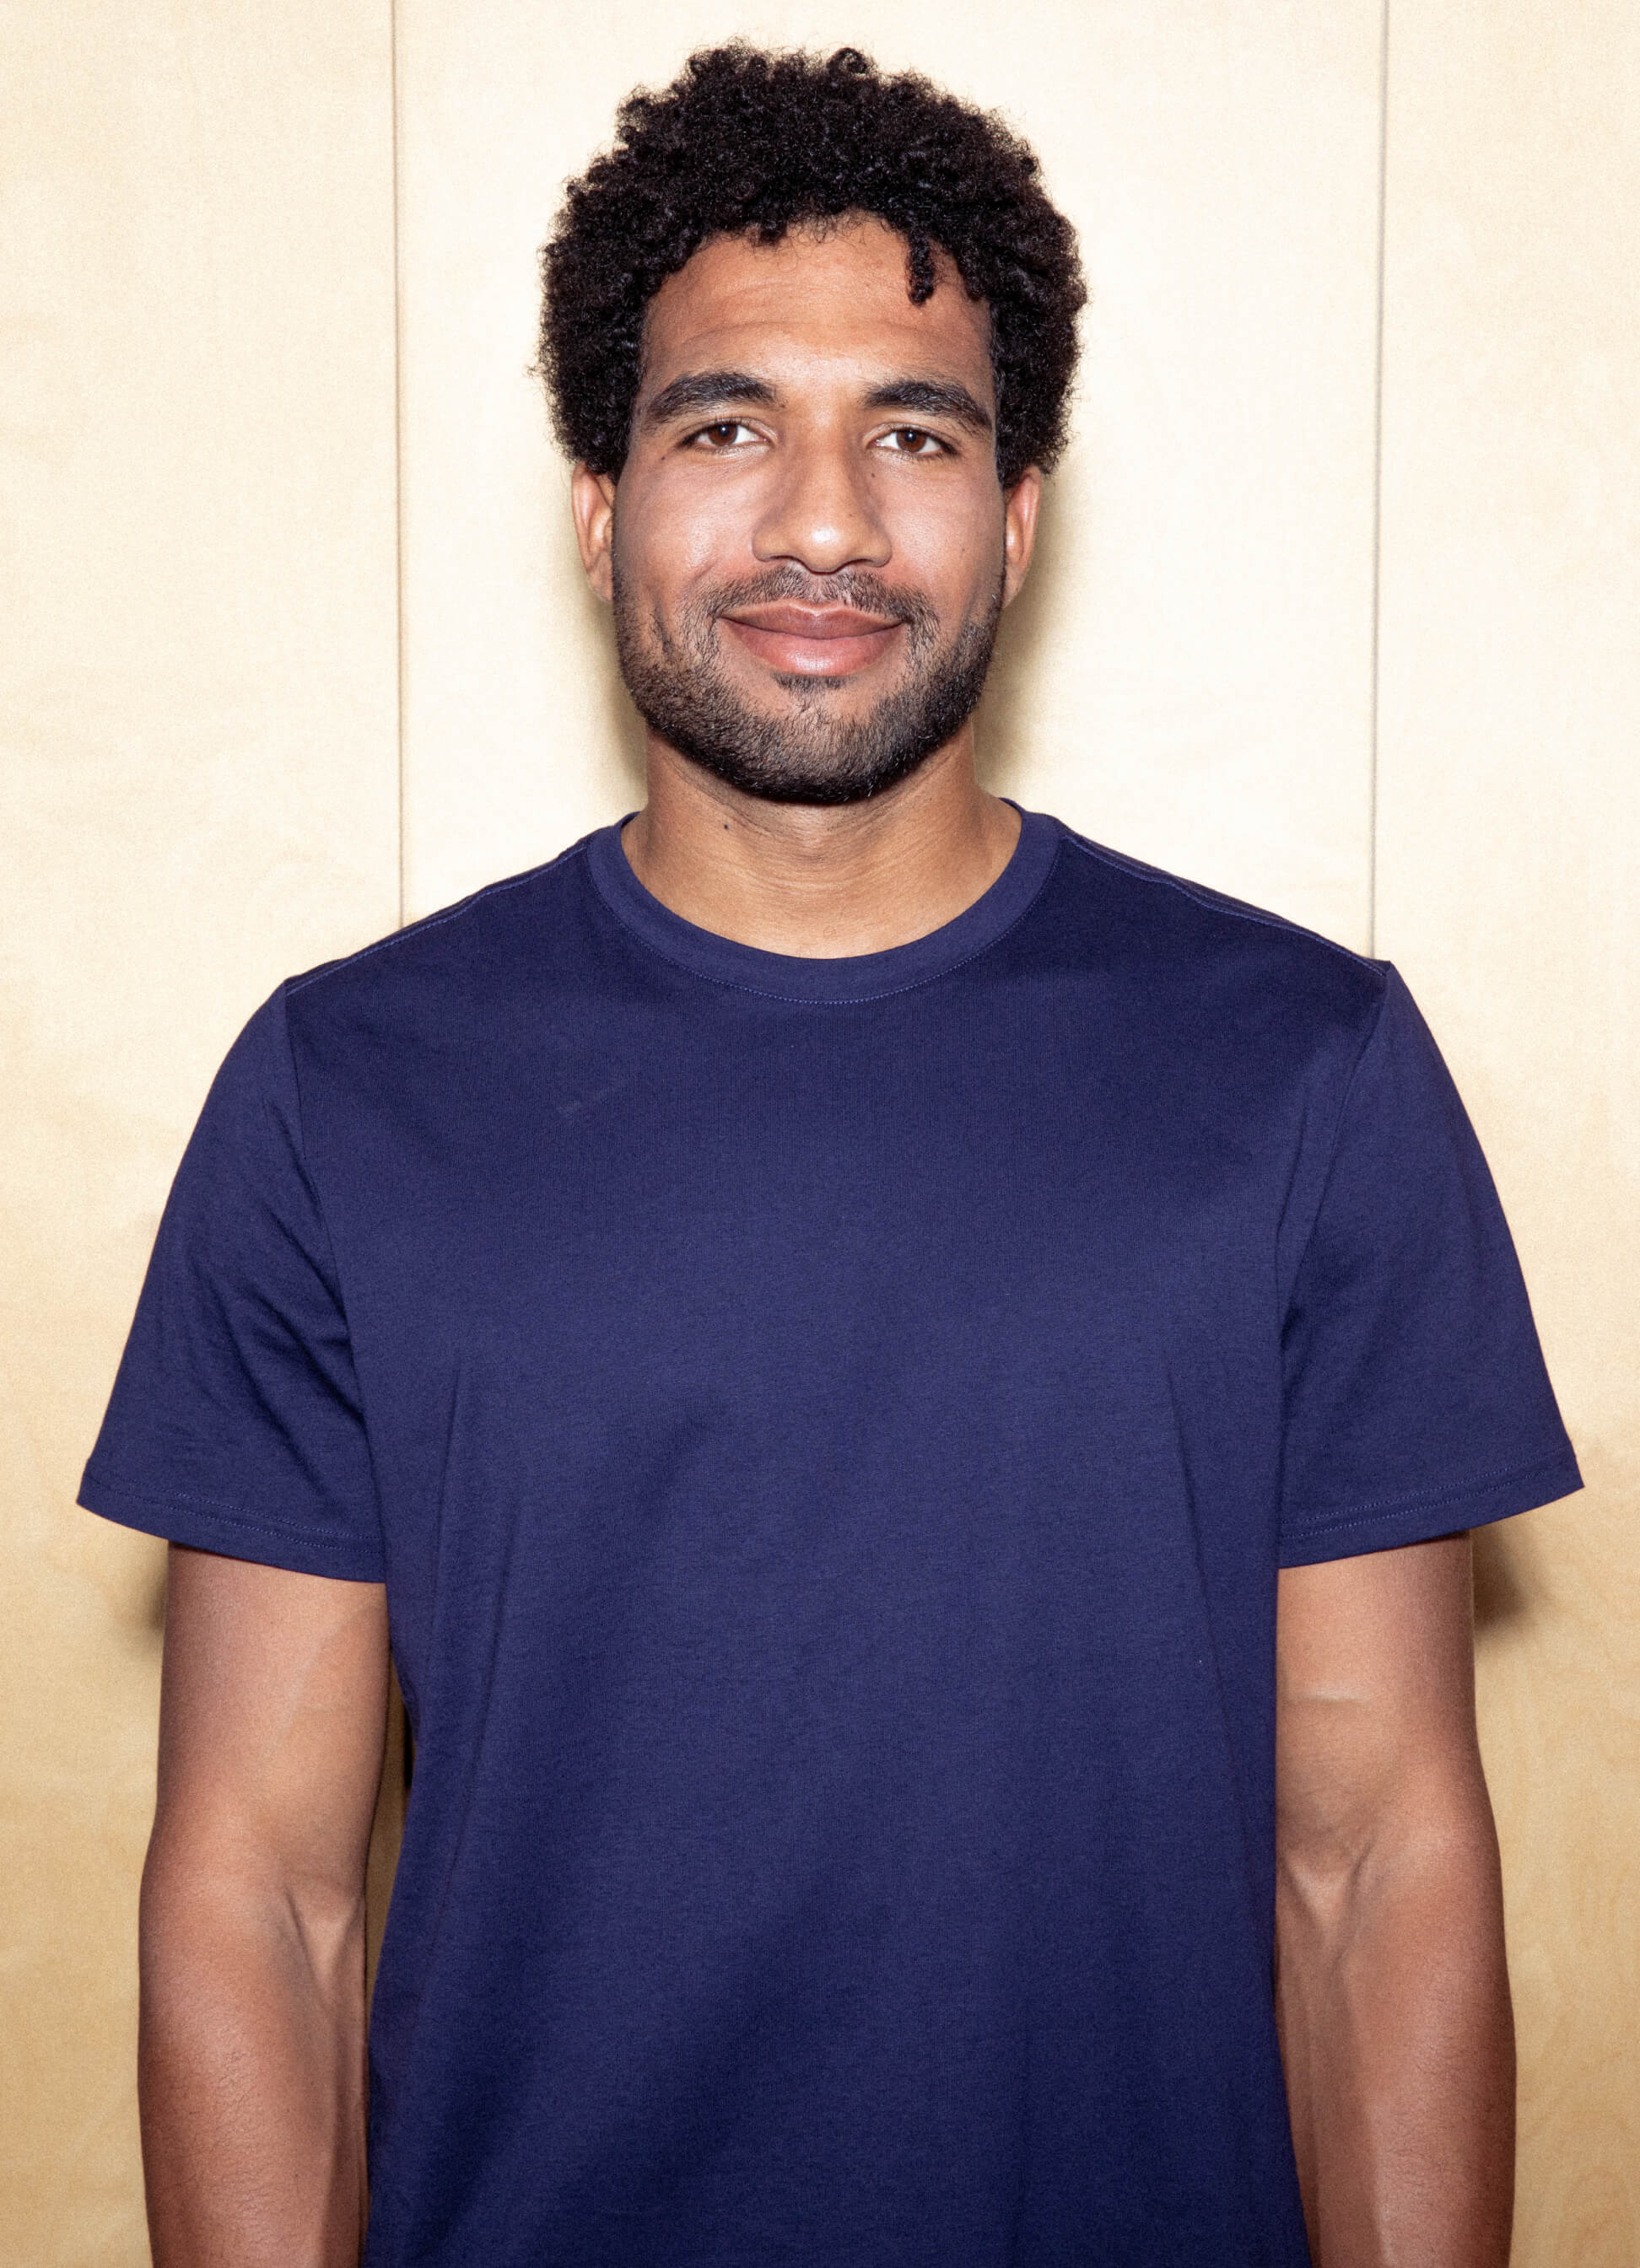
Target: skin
[
  {"x": 1391, "y": 1996},
  {"x": 821, "y": 474},
  {"x": 1391, "y": 1991},
  {"x": 251, "y": 2049}
]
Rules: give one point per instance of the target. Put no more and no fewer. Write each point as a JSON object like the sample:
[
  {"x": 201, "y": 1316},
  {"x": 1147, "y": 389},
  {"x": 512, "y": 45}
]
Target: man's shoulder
[
  {"x": 509, "y": 934},
  {"x": 1179, "y": 940}
]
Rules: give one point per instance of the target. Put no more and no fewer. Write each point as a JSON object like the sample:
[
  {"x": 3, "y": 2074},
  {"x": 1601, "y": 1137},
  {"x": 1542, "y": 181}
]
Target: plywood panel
[
  {"x": 1189, "y": 675},
  {"x": 1509, "y": 868},
  {"x": 197, "y": 794}
]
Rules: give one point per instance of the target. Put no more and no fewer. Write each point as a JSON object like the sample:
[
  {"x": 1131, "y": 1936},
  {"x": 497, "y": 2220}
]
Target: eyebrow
[
  {"x": 935, "y": 397},
  {"x": 720, "y": 389},
  {"x": 707, "y": 389}
]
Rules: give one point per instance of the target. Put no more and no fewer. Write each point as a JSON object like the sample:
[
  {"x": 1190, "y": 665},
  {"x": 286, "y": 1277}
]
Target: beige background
[{"x": 1336, "y": 610}]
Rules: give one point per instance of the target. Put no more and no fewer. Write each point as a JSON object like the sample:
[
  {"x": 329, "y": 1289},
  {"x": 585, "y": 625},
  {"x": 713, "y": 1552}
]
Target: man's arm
[
  {"x": 252, "y": 2061},
  {"x": 1392, "y": 1993}
]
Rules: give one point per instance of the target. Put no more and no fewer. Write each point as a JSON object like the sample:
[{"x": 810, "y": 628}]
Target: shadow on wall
[
  {"x": 154, "y": 1614},
  {"x": 1503, "y": 1586},
  {"x": 588, "y": 635},
  {"x": 1004, "y": 721}
]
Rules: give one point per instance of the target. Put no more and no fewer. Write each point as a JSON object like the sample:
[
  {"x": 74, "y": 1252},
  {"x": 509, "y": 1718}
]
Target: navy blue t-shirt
[{"x": 828, "y": 1429}]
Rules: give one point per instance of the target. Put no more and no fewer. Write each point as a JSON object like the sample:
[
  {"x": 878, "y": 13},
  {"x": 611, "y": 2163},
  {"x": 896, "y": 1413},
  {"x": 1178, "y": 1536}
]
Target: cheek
[
  {"x": 948, "y": 541},
  {"x": 675, "y": 534}
]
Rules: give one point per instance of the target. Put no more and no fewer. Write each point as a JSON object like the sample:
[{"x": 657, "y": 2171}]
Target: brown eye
[
  {"x": 722, "y": 434},
  {"x": 913, "y": 441}
]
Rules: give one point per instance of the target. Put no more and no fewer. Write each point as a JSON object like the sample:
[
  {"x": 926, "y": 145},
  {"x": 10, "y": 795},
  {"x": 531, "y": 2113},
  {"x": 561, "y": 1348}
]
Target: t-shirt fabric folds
[{"x": 829, "y": 1430}]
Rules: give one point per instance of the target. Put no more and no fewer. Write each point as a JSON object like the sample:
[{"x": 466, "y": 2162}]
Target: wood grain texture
[
  {"x": 198, "y": 796},
  {"x": 1509, "y": 892}
]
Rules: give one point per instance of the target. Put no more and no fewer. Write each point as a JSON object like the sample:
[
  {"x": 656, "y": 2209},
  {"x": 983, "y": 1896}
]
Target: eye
[
  {"x": 723, "y": 434},
  {"x": 912, "y": 441}
]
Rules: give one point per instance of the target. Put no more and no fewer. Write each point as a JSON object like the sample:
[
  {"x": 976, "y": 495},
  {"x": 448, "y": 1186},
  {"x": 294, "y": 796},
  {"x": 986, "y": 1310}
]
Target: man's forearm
[
  {"x": 251, "y": 2071},
  {"x": 1392, "y": 1997}
]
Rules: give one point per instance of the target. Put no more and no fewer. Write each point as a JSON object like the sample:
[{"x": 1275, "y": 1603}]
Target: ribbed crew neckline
[{"x": 826, "y": 983}]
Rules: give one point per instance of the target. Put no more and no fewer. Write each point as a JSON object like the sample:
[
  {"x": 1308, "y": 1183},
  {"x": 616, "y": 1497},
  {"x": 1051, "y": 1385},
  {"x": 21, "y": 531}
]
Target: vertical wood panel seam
[
  {"x": 398, "y": 458},
  {"x": 1378, "y": 483}
]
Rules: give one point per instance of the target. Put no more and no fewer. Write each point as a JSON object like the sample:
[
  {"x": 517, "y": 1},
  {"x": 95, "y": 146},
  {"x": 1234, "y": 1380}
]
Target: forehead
[{"x": 837, "y": 295}]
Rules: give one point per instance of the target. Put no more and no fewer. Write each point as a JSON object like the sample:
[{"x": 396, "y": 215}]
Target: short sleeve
[
  {"x": 1416, "y": 1399},
  {"x": 235, "y": 1424}
]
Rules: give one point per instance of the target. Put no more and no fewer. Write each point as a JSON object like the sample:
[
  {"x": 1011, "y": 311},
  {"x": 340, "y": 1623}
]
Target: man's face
[{"x": 808, "y": 547}]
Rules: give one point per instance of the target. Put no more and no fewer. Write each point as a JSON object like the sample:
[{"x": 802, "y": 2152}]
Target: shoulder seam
[
  {"x": 1214, "y": 901},
  {"x": 434, "y": 921}
]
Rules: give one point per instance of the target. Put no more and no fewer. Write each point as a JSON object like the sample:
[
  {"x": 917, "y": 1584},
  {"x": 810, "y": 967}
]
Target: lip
[{"x": 813, "y": 641}]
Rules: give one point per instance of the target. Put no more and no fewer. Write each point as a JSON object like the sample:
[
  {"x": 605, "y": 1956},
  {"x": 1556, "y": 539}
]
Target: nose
[{"x": 821, "y": 513}]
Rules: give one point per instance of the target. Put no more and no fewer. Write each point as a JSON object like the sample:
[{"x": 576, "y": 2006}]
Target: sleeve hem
[
  {"x": 231, "y": 1534},
  {"x": 1434, "y": 1512}
]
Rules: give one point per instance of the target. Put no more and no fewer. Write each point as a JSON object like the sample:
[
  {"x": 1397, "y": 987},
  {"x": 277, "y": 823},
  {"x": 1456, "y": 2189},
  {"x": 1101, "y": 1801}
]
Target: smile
[{"x": 813, "y": 641}]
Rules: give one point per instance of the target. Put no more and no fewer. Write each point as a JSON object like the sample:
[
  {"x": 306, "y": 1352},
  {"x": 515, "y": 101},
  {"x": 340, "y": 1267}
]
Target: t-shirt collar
[{"x": 857, "y": 977}]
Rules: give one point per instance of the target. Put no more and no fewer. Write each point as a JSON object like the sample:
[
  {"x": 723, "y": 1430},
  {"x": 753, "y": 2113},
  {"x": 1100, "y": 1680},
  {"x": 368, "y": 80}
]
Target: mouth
[{"x": 813, "y": 641}]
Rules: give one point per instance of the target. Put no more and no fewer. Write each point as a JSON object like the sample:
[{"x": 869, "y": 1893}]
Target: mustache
[{"x": 854, "y": 586}]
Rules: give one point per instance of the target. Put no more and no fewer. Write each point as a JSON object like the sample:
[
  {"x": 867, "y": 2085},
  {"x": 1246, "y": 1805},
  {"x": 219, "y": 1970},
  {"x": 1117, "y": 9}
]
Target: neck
[{"x": 821, "y": 882}]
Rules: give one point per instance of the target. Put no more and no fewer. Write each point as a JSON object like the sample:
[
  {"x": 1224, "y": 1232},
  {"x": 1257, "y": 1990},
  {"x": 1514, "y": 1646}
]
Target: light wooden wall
[
  {"x": 1509, "y": 892},
  {"x": 198, "y": 769},
  {"x": 1387, "y": 690}
]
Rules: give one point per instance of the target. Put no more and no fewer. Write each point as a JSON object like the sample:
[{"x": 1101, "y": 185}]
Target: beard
[{"x": 806, "y": 754}]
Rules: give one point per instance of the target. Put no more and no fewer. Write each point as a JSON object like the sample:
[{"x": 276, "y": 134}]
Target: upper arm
[
  {"x": 1374, "y": 1703},
  {"x": 272, "y": 1720}
]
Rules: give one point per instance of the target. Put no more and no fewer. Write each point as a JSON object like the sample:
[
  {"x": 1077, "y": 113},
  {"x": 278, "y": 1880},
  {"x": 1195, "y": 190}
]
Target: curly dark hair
[{"x": 745, "y": 140}]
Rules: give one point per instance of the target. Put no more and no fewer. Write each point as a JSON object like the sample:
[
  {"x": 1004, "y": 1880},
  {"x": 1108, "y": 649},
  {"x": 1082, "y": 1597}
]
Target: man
[{"x": 906, "y": 1391}]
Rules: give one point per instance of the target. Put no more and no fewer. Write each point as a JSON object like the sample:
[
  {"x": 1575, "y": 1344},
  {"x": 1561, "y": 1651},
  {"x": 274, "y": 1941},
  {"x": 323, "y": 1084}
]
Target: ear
[
  {"x": 1019, "y": 529},
  {"x": 592, "y": 500}
]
